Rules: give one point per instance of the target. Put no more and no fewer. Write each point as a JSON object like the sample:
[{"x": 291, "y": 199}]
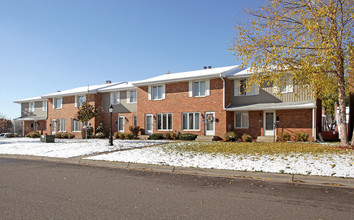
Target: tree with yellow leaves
[{"x": 308, "y": 41}]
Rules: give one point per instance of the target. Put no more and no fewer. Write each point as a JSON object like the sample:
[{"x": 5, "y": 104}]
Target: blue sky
[{"x": 50, "y": 45}]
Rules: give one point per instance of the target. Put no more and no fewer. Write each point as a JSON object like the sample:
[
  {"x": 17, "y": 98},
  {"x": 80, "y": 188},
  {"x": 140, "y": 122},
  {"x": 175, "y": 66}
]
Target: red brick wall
[
  {"x": 105, "y": 118},
  {"x": 255, "y": 124},
  {"x": 177, "y": 102},
  {"x": 29, "y": 127}
]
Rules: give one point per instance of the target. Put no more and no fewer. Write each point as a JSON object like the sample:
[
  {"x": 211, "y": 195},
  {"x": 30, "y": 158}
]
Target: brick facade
[
  {"x": 105, "y": 118},
  {"x": 30, "y": 125}
]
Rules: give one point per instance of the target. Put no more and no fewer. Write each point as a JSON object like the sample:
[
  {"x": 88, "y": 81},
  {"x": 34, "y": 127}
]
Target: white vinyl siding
[
  {"x": 157, "y": 92},
  {"x": 76, "y": 125},
  {"x": 241, "y": 120},
  {"x": 61, "y": 125},
  {"x": 191, "y": 121},
  {"x": 115, "y": 98},
  {"x": 31, "y": 107},
  {"x": 240, "y": 88},
  {"x": 164, "y": 122},
  {"x": 131, "y": 97},
  {"x": 57, "y": 103}
]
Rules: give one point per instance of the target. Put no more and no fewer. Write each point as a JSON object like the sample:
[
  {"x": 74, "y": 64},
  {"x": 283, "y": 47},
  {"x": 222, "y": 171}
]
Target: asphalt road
[{"x": 44, "y": 190}]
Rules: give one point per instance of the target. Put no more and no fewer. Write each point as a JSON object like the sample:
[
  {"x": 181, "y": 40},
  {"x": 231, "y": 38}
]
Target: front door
[
  {"x": 54, "y": 126},
  {"x": 269, "y": 123},
  {"x": 209, "y": 123},
  {"x": 149, "y": 124}
]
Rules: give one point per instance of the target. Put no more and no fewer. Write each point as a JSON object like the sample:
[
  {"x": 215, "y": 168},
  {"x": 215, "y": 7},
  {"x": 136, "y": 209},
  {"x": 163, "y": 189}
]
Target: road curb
[{"x": 271, "y": 177}]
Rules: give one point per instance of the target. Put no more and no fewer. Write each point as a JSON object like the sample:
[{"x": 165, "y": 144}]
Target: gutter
[{"x": 223, "y": 91}]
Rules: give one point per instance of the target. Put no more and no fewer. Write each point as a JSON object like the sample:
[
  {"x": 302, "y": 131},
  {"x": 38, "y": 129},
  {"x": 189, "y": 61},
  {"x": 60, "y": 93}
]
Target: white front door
[
  {"x": 121, "y": 124},
  {"x": 149, "y": 124},
  {"x": 269, "y": 123},
  {"x": 54, "y": 126},
  {"x": 209, "y": 123}
]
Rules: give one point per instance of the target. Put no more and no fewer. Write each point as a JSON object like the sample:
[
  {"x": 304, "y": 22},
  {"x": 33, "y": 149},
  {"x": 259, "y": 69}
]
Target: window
[
  {"x": 241, "y": 119},
  {"x": 57, "y": 103},
  {"x": 81, "y": 99},
  {"x": 132, "y": 97},
  {"x": 31, "y": 107},
  {"x": 156, "y": 92},
  {"x": 76, "y": 125},
  {"x": 135, "y": 120},
  {"x": 287, "y": 85},
  {"x": 241, "y": 88},
  {"x": 199, "y": 88},
  {"x": 121, "y": 123},
  {"x": 115, "y": 98},
  {"x": 44, "y": 103},
  {"x": 164, "y": 122},
  {"x": 61, "y": 125},
  {"x": 191, "y": 121}
]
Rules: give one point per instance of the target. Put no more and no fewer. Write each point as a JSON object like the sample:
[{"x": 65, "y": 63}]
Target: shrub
[
  {"x": 90, "y": 132},
  {"x": 58, "y": 135},
  {"x": 188, "y": 137},
  {"x": 246, "y": 138},
  {"x": 156, "y": 136},
  {"x": 284, "y": 136},
  {"x": 129, "y": 136},
  {"x": 121, "y": 136},
  {"x": 230, "y": 136},
  {"x": 134, "y": 130},
  {"x": 175, "y": 135},
  {"x": 100, "y": 135},
  {"x": 100, "y": 128},
  {"x": 167, "y": 135},
  {"x": 301, "y": 136},
  {"x": 116, "y": 134},
  {"x": 65, "y": 135},
  {"x": 71, "y": 136}
]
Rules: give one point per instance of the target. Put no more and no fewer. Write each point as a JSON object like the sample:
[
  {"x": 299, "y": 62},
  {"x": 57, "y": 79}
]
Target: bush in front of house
[
  {"x": 246, "y": 138},
  {"x": 71, "y": 136},
  {"x": 33, "y": 134},
  {"x": 167, "y": 135},
  {"x": 121, "y": 136},
  {"x": 230, "y": 136},
  {"x": 188, "y": 137},
  {"x": 134, "y": 130},
  {"x": 156, "y": 136},
  {"x": 129, "y": 136},
  {"x": 284, "y": 136},
  {"x": 100, "y": 135},
  {"x": 65, "y": 135},
  {"x": 58, "y": 135},
  {"x": 301, "y": 136},
  {"x": 99, "y": 128},
  {"x": 116, "y": 135}
]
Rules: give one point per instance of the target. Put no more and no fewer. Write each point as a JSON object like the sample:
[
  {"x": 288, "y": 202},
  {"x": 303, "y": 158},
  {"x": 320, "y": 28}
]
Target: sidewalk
[{"x": 260, "y": 176}]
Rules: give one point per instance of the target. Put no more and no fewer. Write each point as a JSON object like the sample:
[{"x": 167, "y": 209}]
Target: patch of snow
[{"x": 66, "y": 148}]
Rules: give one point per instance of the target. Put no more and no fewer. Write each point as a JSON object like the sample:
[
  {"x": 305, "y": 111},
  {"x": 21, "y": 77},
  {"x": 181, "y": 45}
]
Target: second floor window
[
  {"x": 115, "y": 98},
  {"x": 44, "y": 103},
  {"x": 31, "y": 107},
  {"x": 157, "y": 92},
  {"x": 199, "y": 88},
  {"x": 81, "y": 99},
  {"x": 132, "y": 97},
  {"x": 241, "y": 88},
  {"x": 58, "y": 103}
]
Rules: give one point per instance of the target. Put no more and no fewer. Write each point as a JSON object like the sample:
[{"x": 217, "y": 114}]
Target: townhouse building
[{"x": 207, "y": 102}]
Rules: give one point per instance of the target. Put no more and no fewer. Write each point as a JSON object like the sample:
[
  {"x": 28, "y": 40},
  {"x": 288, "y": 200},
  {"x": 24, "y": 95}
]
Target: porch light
[{"x": 110, "y": 109}]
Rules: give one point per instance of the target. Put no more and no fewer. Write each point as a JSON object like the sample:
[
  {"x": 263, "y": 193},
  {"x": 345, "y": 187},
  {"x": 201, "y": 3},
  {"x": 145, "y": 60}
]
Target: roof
[
  {"x": 80, "y": 90},
  {"x": 272, "y": 106},
  {"x": 241, "y": 74},
  {"x": 190, "y": 75},
  {"x": 118, "y": 87},
  {"x": 36, "y": 118},
  {"x": 37, "y": 98}
]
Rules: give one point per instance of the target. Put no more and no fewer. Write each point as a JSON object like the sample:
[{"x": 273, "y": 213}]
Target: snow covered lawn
[
  {"x": 339, "y": 163},
  {"x": 66, "y": 148}
]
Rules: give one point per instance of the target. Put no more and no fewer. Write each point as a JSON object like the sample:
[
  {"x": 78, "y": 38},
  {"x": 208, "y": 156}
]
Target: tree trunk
[{"x": 342, "y": 108}]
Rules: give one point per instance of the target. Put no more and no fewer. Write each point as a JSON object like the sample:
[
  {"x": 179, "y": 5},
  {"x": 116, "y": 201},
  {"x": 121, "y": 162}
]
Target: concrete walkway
[{"x": 260, "y": 176}]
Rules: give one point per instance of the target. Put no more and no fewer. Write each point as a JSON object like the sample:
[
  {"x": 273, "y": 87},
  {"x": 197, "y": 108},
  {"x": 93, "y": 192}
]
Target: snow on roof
[
  {"x": 243, "y": 73},
  {"x": 37, "y": 98},
  {"x": 190, "y": 75},
  {"x": 118, "y": 87},
  {"x": 80, "y": 90},
  {"x": 272, "y": 106}
]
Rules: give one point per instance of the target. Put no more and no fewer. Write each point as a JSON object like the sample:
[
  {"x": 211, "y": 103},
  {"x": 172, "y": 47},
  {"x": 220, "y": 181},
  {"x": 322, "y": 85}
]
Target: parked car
[{"x": 7, "y": 135}]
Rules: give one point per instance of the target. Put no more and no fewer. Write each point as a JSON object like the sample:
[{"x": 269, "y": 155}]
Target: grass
[{"x": 244, "y": 148}]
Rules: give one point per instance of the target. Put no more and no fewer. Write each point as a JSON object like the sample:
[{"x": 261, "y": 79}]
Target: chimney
[
  {"x": 169, "y": 72},
  {"x": 209, "y": 67},
  {"x": 108, "y": 81},
  {"x": 205, "y": 67}
]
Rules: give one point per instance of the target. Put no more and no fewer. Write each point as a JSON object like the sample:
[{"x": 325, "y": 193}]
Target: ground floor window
[
  {"x": 76, "y": 125},
  {"x": 191, "y": 121},
  {"x": 164, "y": 122},
  {"x": 135, "y": 120},
  {"x": 61, "y": 123},
  {"x": 121, "y": 123},
  {"x": 241, "y": 120}
]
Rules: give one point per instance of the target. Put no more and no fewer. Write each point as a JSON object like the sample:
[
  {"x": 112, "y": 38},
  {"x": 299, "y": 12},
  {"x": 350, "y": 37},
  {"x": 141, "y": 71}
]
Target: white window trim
[
  {"x": 289, "y": 86},
  {"x": 193, "y": 121},
  {"x": 237, "y": 85},
  {"x": 163, "y": 91},
  {"x": 191, "y": 88},
  {"x": 77, "y": 100},
  {"x": 72, "y": 125},
  {"x": 112, "y": 98},
  {"x": 31, "y": 106},
  {"x": 135, "y": 117},
  {"x": 128, "y": 96},
  {"x": 119, "y": 123},
  {"x": 162, "y": 121},
  {"x": 54, "y": 103},
  {"x": 61, "y": 119},
  {"x": 248, "y": 118}
]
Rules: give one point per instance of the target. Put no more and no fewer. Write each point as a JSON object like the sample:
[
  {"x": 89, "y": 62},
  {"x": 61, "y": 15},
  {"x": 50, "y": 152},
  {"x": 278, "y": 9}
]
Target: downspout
[
  {"x": 313, "y": 125},
  {"x": 223, "y": 91}
]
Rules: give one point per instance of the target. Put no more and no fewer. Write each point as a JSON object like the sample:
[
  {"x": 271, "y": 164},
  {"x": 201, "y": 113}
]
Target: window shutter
[
  {"x": 255, "y": 89},
  {"x": 53, "y": 103},
  {"x": 118, "y": 96},
  {"x": 163, "y": 91},
  {"x": 237, "y": 87},
  {"x": 111, "y": 97},
  {"x": 149, "y": 92},
  {"x": 76, "y": 101},
  {"x": 207, "y": 87},
  {"x": 61, "y": 102},
  {"x": 190, "y": 92},
  {"x": 128, "y": 96}
]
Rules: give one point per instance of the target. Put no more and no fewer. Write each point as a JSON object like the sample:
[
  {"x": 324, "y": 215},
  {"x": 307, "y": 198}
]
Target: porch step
[
  {"x": 207, "y": 138},
  {"x": 265, "y": 139},
  {"x": 143, "y": 137}
]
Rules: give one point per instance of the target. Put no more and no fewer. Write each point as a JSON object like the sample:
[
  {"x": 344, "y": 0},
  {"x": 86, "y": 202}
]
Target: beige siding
[
  {"x": 267, "y": 95},
  {"x": 123, "y": 107},
  {"x": 38, "y": 110}
]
